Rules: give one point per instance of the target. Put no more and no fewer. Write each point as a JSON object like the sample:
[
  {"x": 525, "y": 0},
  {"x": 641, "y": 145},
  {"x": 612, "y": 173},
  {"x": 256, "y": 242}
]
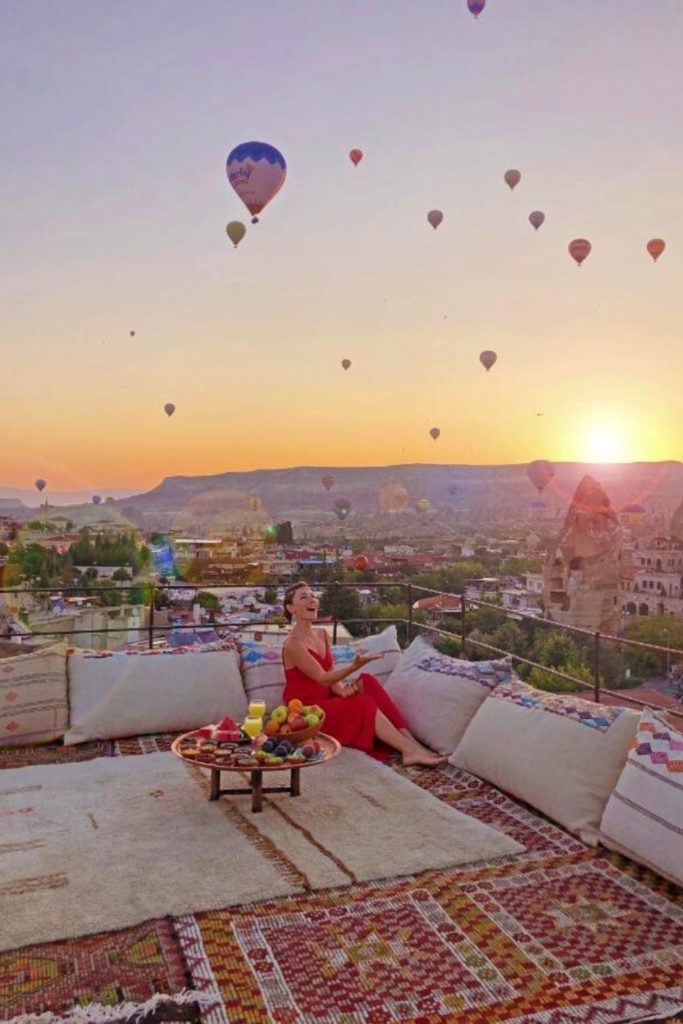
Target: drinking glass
[
  {"x": 257, "y": 708},
  {"x": 253, "y": 726}
]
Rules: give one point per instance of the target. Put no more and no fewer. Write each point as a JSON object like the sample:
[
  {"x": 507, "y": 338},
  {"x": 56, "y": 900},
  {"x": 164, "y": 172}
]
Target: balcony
[{"x": 558, "y": 927}]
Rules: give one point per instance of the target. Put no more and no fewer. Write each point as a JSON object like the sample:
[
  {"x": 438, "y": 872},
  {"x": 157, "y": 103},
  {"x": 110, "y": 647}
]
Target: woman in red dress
[{"x": 358, "y": 713}]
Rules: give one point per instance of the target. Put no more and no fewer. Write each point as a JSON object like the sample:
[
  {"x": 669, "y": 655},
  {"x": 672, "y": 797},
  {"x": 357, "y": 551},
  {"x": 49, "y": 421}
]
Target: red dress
[{"x": 351, "y": 720}]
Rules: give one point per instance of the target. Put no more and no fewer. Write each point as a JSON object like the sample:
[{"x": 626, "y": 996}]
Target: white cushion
[
  {"x": 384, "y": 643},
  {"x": 131, "y": 693},
  {"x": 33, "y": 695},
  {"x": 644, "y": 815},
  {"x": 264, "y": 673},
  {"x": 561, "y": 754},
  {"x": 439, "y": 695}
]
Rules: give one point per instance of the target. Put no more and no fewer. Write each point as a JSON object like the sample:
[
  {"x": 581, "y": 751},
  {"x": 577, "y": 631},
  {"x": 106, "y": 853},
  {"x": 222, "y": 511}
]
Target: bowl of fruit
[{"x": 295, "y": 722}]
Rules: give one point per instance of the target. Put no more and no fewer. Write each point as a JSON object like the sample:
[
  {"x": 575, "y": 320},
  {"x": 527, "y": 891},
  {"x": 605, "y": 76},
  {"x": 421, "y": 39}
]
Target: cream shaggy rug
[{"x": 108, "y": 843}]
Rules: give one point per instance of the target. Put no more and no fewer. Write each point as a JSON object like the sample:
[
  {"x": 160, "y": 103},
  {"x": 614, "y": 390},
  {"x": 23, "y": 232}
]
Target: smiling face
[{"x": 303, "y": 604}]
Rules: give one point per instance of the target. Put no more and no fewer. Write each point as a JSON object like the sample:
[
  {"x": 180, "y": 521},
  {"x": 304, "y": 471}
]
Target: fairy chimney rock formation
[
  {"x": 582, "y": 574},
  {"x": 676, "y": 528}
]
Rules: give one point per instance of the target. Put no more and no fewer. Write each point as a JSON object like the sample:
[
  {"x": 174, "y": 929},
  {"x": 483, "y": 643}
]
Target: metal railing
[{"x": 155, "y": 631}]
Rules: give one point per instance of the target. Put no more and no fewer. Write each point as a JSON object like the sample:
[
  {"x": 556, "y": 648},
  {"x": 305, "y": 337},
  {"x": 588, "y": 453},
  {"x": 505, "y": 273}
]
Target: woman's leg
[
  {"x": 384, "y": 702},
  {"x": 411, "y": 751}
]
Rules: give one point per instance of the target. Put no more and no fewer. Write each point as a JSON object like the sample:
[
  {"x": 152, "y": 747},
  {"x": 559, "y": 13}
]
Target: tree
[
  {"x": 520, "y": 566},
  {"x": 270, "y": 595},
  {"x": 209, "y": 601},
  {"x": 341, "y": 603},
  {"x": 121, "y": 576}
]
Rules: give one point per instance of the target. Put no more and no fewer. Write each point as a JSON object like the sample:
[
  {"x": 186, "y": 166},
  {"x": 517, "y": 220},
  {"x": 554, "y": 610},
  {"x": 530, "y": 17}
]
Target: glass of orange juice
[
  {"x": 257, "y": 708},
  {"x": 253, "y": 726}
]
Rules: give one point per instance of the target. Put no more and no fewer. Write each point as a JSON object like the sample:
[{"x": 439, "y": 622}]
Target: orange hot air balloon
[
  {"x": 579, "y": 249},
  {"x": 435, "y": 433},
  {"x": 656, "y": 247},
  {"x": 361, "y": 563},
  {"x": 328, "y": 481},
  {"x": 540, "y": 473},
  {"x": 512, "y": 179},
  {"x": 423, "y": 505},
  {"x": 488, "y": 359},
  {"x": 435, "y": 217},
  {"x": 356, "y": 155},
  {"x": 346, "y": 363}
]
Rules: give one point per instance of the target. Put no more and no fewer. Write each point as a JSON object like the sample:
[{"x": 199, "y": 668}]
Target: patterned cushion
[
  {"x": 264, "y": 674},
  {"x": 561, "y": 754},
  {"x": 127, "y": 693},
  {"x": 33, "y": 696},
  {"x": 439, "y": 695},
  {"x": 644, "y": 815}
]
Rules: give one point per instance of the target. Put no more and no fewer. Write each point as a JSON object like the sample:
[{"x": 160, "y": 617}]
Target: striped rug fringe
[{"x": 98, "y": 1013}]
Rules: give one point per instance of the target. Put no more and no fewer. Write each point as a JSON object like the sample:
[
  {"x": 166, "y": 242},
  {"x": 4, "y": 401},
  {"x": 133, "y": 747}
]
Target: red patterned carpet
[{"x": 558, "y": 935}]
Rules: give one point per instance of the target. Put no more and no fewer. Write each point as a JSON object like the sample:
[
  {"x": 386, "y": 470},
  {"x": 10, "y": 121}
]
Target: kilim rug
[{"x": 559, "y": 935}]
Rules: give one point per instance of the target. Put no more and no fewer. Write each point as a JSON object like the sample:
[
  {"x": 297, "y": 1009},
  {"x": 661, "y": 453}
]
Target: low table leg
[
  {"x": 257, "y": 791},
  {"x": 295, "y": 782},
  {"x": 215, "y": 784}
]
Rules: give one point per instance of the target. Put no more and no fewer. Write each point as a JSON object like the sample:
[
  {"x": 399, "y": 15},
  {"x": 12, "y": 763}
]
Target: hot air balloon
[
  {"x": 346, "y": 363},
  {"x": 235, "y": 231},
  {"x": 452, "y": 490},
  {"x": 132, "y": 334},
  {"x": 255, "y": 503},
  {"x": 41, "y": 484},
  {"x": 169, "y": 408},
  {"x": 257, "y": 172},
  {"x": 423, "y": 505},
  {"x": 435, "y": 217},
  {"x": 536, "y": 218},
  {"x": 361, "y": 563},
  {"x": 356, "y": 156},
  {"x": 96, "y": 499},
  {"x": 476, "y": 7},
  {"x": 342, "y": 507},
  {"x": 435, "y": 433},
  {"x": 488, "y": 359},
  {"x": 540, "y": 472},
  {"x": 512, "y": 179},
  {"x": 656, "y": 247},
  {"x": 579, "y": 249},
  {"x": 328, "y": 481},
  {"x": 393, "y": 498}
]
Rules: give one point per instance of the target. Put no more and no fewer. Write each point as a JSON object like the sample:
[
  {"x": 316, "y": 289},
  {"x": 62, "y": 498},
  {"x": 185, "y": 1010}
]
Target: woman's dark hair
[{"x": 289, "y": 596}]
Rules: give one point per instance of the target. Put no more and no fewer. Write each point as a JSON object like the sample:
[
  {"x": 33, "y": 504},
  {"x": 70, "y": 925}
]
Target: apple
[
  {"x": 279, "y": 715},
  {"x": 285, "y": 729},
  {"x": 311, "y": 720},
  {"x": 297, "y": 723}
]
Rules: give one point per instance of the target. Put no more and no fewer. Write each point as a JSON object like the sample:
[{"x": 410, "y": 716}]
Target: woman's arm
[{"x": 300, "y": 657}]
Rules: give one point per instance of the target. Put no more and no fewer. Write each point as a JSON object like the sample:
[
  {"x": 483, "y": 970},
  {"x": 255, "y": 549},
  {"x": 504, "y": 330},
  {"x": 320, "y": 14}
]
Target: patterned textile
[
  {"x": 559, "y": 935},
  {"x": 558, "y": 762},
  {"x": 439, "y": 696},
  {"x": 52, "y": 753},
  {"x": 567, "y": 939},
  {"x": 33, "y": 696},
  {"x": 644, "y": 815},
  {"x": 128, "y": 965},
  {"x": 224, "y": 644},
  {"x": 595, "y": 716}
]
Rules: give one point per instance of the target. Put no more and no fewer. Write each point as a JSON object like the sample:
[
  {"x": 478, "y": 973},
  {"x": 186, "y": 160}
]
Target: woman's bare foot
[{"x": 422, "y": 756}]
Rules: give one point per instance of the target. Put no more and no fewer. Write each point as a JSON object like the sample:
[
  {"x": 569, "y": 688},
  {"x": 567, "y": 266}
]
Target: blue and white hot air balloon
[{"x": 257, "y": 172}]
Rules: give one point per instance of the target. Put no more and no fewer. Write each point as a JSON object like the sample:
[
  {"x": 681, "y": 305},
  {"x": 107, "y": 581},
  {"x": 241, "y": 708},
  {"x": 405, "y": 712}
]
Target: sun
[{"x": 603, "y": 443}]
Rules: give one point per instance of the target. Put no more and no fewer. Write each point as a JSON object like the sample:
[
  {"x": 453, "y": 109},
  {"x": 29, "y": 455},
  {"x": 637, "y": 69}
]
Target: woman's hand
[
  {"x": 344, "y": 688},
  {"x": 363, "y": 658}
]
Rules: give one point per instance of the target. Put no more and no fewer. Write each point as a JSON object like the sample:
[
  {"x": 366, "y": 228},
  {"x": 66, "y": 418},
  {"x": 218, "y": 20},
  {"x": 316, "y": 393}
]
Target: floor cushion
[
  {"x": 33, "y": 694},
  {"x": 124, "y": 693},
  {"x": 264, "y": 674},
  {"x": 561, "y": 754},
  {"x": 439, "y": 695},
  {"x": 644, "y": 814}
]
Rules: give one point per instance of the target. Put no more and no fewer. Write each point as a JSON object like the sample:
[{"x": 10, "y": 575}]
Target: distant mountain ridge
[{"x": 656, "y": 485}]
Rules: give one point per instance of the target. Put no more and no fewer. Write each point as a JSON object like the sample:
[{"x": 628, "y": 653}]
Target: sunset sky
[{"x": 116, "y": 120}]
